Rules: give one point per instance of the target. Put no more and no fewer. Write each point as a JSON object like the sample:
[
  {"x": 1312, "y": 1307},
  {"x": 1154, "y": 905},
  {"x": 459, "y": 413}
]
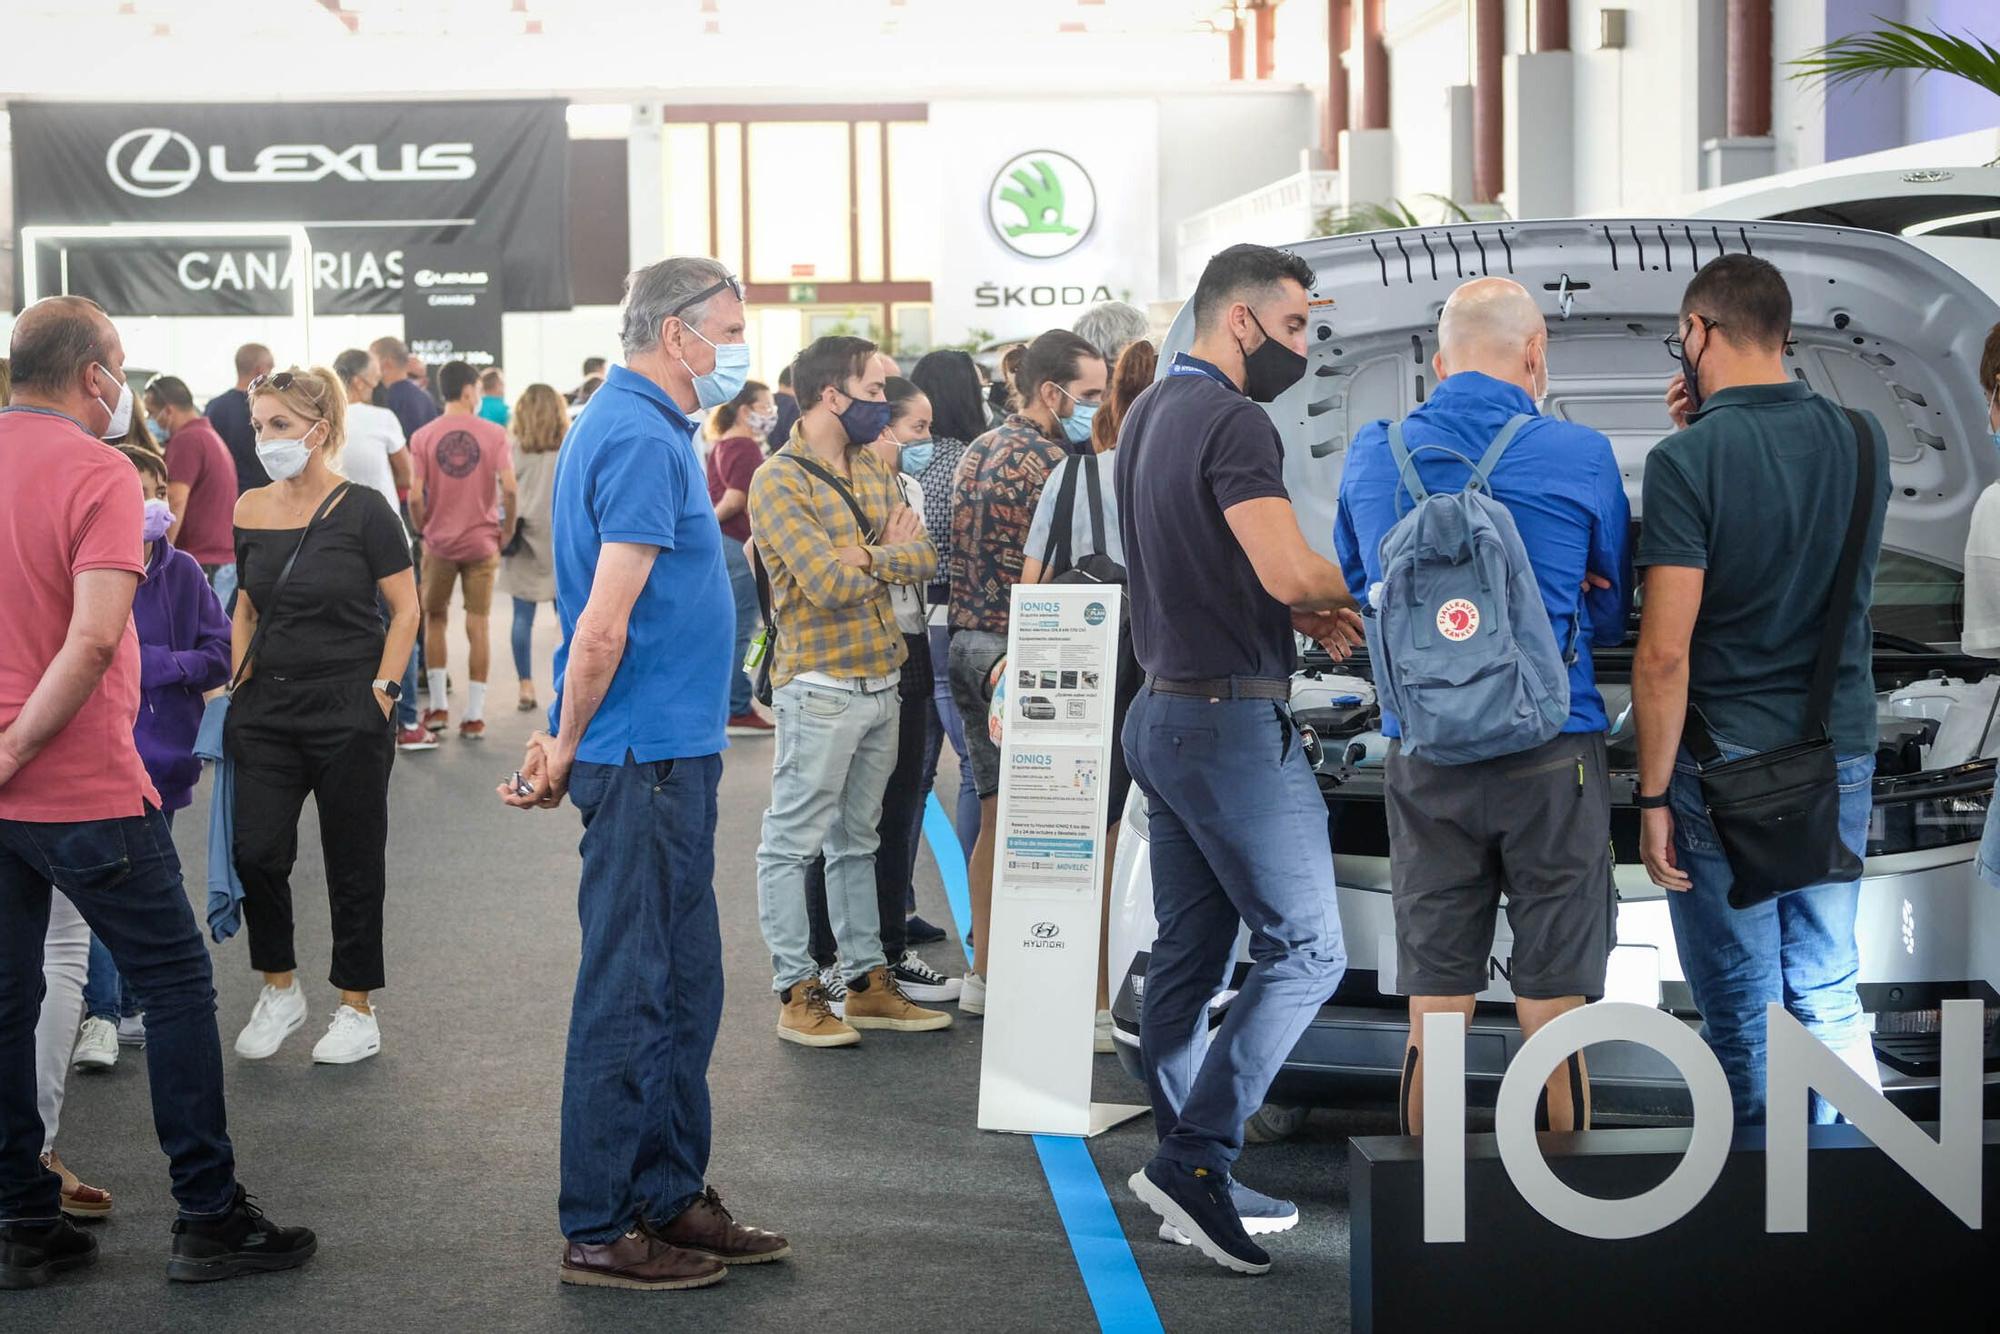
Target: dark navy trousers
[{"x": 1239, "y": 835}]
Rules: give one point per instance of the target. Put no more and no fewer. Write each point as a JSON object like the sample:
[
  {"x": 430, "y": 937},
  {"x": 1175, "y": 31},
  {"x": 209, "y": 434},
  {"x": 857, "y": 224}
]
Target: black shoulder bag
[
  {"x": 1098, "y": 567},
  {"x": 1777, "y": 813},
  {"x": 760, "y": 682}
]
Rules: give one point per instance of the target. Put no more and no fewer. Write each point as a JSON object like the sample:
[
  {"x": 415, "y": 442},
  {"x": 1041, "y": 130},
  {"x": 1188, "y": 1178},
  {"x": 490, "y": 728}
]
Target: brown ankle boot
[
  {"x": 805, "y": 1016},
  {"x": 875, "y": 1001}
]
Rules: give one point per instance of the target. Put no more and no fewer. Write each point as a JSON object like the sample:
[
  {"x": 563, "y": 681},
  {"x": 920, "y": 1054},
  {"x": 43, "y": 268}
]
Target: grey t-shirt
[{"x": 1756, "y": 490}]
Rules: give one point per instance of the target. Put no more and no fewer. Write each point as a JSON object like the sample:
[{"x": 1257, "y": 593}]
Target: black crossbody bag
[
  {"x": 1059, "y": 567},
  {"x": 1777, "y": 813}
]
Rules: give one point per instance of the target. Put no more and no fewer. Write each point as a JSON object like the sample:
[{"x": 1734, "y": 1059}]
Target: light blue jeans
[
  {"x": 835, "y": 751},
  {"x": 1798, "y": 948}
]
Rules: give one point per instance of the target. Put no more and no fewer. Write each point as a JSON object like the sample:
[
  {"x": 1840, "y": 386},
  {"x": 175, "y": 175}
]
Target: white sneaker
[
  {"x": 96, "y": 1045},
  {"x": 132, "y": 1031},
  {"x": 352, "y": 1036},
  {"x": 1103, "y": 1041},
  {"x": 836, "y": 989},
  {"x": 921, "y": 982},
  {"x": 972, "y": 994},
  {"x": 278, "y": 1015}
]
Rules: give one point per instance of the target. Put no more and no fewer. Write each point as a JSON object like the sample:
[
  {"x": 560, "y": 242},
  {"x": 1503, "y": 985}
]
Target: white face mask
[
  {"x": 285, "y": 459},
  {"x": 121, "y": 415}
]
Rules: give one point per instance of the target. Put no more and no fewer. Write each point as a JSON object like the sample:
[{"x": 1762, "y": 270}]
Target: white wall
[
  {"x": 1215, "y": 146},
  {"x": 1429, "y": 48}
]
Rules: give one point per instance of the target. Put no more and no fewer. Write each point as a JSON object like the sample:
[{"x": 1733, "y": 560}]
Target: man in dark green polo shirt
[{"x": 1745, "y": 512}]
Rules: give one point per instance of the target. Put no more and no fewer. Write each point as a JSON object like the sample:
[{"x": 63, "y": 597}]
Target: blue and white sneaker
[
  {"x": 1196, "y": 1202},
  {"x": 1261, "y": 1214}
]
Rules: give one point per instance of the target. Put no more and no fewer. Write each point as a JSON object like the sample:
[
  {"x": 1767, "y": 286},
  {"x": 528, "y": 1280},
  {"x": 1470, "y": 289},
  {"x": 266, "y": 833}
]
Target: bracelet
[{"x": 1645, "y": 803}]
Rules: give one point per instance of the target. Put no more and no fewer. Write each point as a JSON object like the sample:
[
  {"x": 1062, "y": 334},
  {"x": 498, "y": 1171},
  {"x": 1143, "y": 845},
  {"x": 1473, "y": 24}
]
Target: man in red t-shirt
[
  {"x": 462, "y": 465},
  {"x": 78, "y": 814},
  {"x": 201, "y": 482}
]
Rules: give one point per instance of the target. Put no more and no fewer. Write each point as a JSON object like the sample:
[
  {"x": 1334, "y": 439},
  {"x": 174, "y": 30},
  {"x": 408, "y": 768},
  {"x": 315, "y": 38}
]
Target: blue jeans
[
  {"x": 125, "y": 879},
  {"x": 835, "y": 751},
  {"x": 948, "y": 725},
  {"x": 524, "y": 639},
  {"x": 1239, "y": 833},
  {"x": 1798, "y": 948},
  {"x": 1989, "y": 847},
  {"x": 223, "y": 580},
  {"x": 635, "y": 1109},
  {"x": 749, "y": 616}
]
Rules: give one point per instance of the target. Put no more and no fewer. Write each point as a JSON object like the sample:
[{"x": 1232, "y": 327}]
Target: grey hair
[
  {"x": 1111, "y": 327},
  {"x": 652, "y": 293}
]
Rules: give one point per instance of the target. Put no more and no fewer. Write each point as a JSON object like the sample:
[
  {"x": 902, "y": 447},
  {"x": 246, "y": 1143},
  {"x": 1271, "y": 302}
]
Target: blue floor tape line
[{"x": 1103, "y": 1256}]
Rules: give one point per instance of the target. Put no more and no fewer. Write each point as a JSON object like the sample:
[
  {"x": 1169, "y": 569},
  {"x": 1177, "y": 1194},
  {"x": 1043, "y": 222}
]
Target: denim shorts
[{"x": 970, "y": 662}]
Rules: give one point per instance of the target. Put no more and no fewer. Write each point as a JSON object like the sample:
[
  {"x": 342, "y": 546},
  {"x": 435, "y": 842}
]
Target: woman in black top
[{"x": 313, "y": 712}]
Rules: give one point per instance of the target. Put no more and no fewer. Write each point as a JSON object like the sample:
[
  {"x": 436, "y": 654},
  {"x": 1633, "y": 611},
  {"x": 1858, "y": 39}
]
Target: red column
[
  {"x": 1339, "y": 31},
  {"x": 1236, "y": 51},
  {"x": 1267, "y": 37},
  {"x": 1548, "y": 25},
  {"x": 1374, "y": 68},
  {"x": 1488, "y": 148},
  {"x": 1749, "y": 48}
]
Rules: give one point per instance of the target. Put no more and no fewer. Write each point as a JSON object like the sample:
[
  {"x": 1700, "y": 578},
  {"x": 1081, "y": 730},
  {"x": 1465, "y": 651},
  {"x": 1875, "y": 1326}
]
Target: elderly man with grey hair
[
  {"x": 1111, "y": 327},
  {"x": 635, "y": 739},
  {"x": 1537, "y": 823}
]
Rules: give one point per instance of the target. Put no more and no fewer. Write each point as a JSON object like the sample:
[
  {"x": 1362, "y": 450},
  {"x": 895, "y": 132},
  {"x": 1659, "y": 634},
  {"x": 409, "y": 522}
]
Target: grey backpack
[{"x": 1460, "y": 639}]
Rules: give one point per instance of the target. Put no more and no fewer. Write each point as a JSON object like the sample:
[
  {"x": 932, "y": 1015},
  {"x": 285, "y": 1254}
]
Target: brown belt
[{"x": 1224, "y": 687}]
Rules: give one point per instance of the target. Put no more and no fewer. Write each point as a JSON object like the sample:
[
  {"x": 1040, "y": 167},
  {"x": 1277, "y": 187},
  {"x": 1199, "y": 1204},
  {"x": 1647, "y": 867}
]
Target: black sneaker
[
  {"x": 921, "y": 982},
  {"x": 1261, "y": 1214},
  {"x": 1196, "y": 1201},
  {"x": 239, "y": 1242},
  {"x": 919, "y": 932},
  {"x": 33, "y": 1253}
]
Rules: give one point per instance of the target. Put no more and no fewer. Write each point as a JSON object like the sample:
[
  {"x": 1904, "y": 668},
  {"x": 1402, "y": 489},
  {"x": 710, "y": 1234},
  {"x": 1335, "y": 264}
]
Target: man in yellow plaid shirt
[{"x": 832, "y": 530}]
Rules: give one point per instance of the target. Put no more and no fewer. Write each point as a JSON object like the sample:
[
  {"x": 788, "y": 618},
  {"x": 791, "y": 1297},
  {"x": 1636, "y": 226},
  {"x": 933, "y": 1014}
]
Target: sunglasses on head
[
  {"x": 729, "y": 285},
  {"x": 283, "y": 381}
]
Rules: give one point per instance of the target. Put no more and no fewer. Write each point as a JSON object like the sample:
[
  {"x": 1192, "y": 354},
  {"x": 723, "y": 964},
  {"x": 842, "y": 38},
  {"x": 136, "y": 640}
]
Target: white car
[{"x": 1879, "y": 325}]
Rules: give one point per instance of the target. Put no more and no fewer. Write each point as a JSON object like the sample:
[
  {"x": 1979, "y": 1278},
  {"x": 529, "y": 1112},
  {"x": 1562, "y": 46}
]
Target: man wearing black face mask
[{"x": 1219, "y": 577}]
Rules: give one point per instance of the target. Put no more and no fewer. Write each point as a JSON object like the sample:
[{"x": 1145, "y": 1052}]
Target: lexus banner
[{"x": 367, "y": 180}]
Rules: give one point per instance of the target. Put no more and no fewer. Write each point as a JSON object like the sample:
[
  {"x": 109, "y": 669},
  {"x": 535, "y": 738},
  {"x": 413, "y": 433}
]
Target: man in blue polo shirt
[
  {"x": 1536, "y": 824},
  {"x": 636, "y": 735}
]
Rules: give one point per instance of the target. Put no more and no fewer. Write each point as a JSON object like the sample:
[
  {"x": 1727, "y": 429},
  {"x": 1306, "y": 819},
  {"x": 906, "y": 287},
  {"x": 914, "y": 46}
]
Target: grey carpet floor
[{"x": 429, "y": 1171}]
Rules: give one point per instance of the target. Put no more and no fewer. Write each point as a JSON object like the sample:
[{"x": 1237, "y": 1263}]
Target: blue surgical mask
[
  {"x": 155, "y": 429},
  {"x": 865, "y": 420},
  {"x": 1076, "y": 426},
  {"x": 732, "y": 369},
  {"x": 916, "y": 455}
]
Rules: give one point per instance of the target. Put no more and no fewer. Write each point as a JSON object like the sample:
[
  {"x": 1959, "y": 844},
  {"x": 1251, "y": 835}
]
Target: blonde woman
[
  {"x": 312, "y": 712},
  {"x": 527, "y": 570}
]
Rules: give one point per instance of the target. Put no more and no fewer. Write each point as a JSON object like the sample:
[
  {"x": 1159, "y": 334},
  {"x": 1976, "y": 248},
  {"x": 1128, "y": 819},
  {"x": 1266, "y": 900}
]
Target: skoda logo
[
  {"x": 1046, "y": 930},
  {"x": 1041, "y": 204},
  {"x": 152, "y": 163}
]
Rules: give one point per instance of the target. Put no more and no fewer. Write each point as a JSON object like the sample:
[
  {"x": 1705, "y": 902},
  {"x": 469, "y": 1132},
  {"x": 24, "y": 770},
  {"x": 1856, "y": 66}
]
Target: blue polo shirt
[
  {"x": 1559, "y": 480},
  {"x": 628, "y": 473}
]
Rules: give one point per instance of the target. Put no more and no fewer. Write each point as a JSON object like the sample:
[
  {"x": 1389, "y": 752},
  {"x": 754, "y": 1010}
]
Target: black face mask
[
  {"x": 1271, "y": 369},
  {"x": 1688, "y": 374}
]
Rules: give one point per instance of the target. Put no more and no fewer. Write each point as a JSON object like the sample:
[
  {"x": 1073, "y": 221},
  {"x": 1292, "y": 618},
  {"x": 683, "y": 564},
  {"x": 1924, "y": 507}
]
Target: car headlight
[{"x": 1137, "y": 815}]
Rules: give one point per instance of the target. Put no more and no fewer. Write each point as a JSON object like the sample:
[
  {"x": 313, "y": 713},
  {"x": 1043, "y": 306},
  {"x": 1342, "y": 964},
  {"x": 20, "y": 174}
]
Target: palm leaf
[{"x": 1900, "y": 46}]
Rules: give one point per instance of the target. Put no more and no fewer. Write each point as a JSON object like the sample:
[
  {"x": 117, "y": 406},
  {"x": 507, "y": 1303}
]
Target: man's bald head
[
  {"x": 55, "y": 341},
  {"x": 1493, "y": 326}
]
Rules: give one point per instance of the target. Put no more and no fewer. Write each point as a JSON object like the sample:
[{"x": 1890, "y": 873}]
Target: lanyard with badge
[{"x": 1186, "y": 365}]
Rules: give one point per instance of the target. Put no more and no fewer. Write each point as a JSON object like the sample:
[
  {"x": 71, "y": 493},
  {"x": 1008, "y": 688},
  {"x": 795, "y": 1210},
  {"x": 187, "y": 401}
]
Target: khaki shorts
[{"x": 440, "y": 574}]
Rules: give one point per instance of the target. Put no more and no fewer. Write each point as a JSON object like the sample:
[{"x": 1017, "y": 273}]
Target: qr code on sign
[{"x": 1076, "y": 708}]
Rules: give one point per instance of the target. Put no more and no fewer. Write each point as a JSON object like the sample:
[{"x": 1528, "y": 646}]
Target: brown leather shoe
[
  {"x": 706, "y": 1228},
  {"x": 641, "y": 1261},
  {"x": 874, "y": 1000},
  {"x": 805, "y": 1016}
]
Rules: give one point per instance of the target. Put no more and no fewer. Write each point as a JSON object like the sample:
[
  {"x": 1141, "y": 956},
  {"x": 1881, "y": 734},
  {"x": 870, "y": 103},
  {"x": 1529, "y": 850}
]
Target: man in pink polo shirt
[
  {"x": 201, "y": 483},
  {"x": 78, "y": 814}
]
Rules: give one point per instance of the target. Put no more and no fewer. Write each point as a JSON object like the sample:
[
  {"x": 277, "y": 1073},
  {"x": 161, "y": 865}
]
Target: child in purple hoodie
[{"x": 183, "y": 652}]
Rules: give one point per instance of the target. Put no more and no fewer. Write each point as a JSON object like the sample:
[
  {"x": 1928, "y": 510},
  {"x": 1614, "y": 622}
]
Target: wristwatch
[
  {"x": 1644, "y": 803},
  {"x": 393, "y": 689}
]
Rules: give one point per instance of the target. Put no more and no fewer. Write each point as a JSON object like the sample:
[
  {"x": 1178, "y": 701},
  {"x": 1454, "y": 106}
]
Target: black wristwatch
[
  {"x": 1645, "y": 803},
  {"x": 393, "y": 689}
]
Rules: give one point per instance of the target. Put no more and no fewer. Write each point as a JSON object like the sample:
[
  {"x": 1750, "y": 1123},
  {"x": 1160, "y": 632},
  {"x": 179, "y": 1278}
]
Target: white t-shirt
[
  {"x": 1981, "y": 636},
  {"x": 373, "y": 434},
  {"x": 908, "y": 599}
]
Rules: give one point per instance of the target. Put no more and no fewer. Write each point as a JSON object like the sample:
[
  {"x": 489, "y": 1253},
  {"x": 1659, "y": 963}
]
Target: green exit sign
[{"x": 799, "y": 293}]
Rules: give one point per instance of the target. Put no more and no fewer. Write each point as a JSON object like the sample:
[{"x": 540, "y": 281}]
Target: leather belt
[{"x": 1224, "y": 687}]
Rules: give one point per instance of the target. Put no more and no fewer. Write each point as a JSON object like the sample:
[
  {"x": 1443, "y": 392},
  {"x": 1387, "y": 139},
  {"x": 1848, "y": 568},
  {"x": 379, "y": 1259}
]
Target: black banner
[
  {"x": 368, "y": 181},
  {"x": 451, "y": 307}
]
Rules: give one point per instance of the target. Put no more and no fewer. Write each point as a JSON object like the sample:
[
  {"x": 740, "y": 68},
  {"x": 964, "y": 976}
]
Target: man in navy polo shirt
[
  {"x": 636, "y": 735},
  {"x": 1536, "y": 823},
  {"x": 1220, "y": 576}
]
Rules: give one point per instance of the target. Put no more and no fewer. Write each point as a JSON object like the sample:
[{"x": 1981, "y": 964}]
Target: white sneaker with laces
[
  {"x": 278, "y": 1015},
  {"x": 972, "y": 994},
  {"x": 836, "y": 989},
  {"x": 1103, "y": 1041},
  {"x": 96, "y": 1045},
  {"x": 352, "y": 1036},
  {"x": 921, "y": 982},
  {"x": 132, "y": 1031}
]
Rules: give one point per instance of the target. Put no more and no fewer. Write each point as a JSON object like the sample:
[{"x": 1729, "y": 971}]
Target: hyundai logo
[
  {"x": 1046, "y": 930},
  {"x": 135, "y": 163}
]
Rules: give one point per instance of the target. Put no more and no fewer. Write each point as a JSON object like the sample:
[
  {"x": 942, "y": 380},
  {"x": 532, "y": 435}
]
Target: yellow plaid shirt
[{"x": 831, "y": 617}]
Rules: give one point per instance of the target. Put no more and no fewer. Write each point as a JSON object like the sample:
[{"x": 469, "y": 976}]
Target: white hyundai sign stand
[{"x": 1048, "y": 863}]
